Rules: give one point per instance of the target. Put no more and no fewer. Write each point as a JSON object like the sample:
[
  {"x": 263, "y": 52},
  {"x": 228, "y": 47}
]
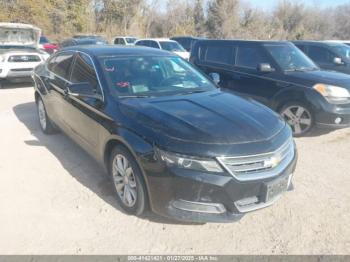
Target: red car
[{"x": 44, "y": 44}]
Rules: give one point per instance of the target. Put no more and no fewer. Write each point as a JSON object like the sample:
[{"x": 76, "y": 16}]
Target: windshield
[
  {"x": 290, "y": 58},
  {"x": 341, "y": 50},
  {"x": 152, "y": 76},
  {"x": 171, "y": 46},
  {"x": 43, "y": 40},
  {"x": 130, "y": 40}
]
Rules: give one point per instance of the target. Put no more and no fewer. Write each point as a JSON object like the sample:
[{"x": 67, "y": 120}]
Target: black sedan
[{"x": 168, "y": 137}]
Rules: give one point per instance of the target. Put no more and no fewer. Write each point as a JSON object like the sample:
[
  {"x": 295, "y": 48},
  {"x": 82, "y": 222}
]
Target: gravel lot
[{"x": 54, "y": 199}]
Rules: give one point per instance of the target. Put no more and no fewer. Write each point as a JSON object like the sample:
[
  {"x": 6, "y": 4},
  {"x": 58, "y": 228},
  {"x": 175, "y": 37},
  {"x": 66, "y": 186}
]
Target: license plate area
[{"x": 276, "y": 188}]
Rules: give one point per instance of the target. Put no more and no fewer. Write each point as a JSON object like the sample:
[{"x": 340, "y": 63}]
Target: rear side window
[
  {"x": 250, "y": 57},
  {"x": 220, "y": 54},
  {"x": 153, "y": 44},
  {"x": 61, "y": 64},
  {"x": 84, "y": 71},
  {"x": 141, "y": 43},
  {"x": 320, "y": 54}
]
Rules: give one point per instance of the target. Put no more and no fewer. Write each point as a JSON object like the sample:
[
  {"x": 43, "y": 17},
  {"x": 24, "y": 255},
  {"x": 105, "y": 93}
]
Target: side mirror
[
  {"x": 83, "y": 90},
  {"x": 265, "y": 68},
  {"x": 338, "y": 61},
  {"x": 215, "y": 77}
]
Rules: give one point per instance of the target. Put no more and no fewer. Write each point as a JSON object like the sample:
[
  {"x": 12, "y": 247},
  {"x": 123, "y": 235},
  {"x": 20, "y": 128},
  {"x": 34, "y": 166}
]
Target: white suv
[
  {"x": 19, "y": 53},
  {"x": 165, "y": 44}
]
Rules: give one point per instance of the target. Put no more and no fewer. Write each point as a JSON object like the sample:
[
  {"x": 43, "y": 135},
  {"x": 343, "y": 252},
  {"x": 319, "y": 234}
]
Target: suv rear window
[{"x": 220, "y": 54}]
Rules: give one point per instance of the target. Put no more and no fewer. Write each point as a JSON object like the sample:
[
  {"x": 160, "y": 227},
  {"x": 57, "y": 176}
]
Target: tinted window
[
  {"x": 319, "y": 54},
  {"x": 220, "y": 54},
  {"x": 250, "y": 57},
  {"x": 141, "y": 43},
  {"x": 60, "y": 64},
  {"x": 153, "y": 44},
  {"x": 84, "y": 71},
  {"x": 171, "y": 46}
]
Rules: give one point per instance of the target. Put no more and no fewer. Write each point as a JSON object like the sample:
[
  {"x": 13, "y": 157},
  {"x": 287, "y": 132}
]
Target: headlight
[
  {"x": 188, "y": 162},
  {"x": 333, "y": 93}
]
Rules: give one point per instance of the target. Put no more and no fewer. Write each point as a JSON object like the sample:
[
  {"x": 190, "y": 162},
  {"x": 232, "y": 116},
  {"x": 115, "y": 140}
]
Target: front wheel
[
  {"x": 128, "y": 181},
  {"x": 299, "y": 117}
]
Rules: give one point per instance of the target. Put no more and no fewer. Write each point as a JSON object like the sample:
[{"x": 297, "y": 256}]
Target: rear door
[
  {"x": 219, "y": 59},
  {"x": 59, "y": 67}
]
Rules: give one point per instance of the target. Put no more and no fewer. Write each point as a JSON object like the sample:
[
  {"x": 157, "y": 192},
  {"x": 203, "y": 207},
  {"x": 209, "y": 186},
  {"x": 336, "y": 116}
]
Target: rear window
[{"x": 219, "y": 54}]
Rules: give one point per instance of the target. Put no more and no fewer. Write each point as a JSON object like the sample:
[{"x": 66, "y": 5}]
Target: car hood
[
  {"x": 13, "y": 34},
  {"x": 310, "y": 78},
  {"x": 210, "y": 118}
]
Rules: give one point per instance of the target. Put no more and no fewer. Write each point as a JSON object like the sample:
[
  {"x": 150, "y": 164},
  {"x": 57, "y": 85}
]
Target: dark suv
[
  {"x": 327, "y": 55},
  {"x": 166, "y": 135},
  {"x": 280, "y": 76}
]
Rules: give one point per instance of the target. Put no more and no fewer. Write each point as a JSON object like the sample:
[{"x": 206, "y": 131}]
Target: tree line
[{"x": 226, "y": 19}]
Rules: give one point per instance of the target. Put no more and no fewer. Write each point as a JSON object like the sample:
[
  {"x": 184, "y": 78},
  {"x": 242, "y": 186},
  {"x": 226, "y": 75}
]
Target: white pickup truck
[{"x": 19, "y": 52}]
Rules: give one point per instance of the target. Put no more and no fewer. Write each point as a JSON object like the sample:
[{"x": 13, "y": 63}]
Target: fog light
[
  {"x": 338, "y": 120},
  {"x": 211, "y": 208}
]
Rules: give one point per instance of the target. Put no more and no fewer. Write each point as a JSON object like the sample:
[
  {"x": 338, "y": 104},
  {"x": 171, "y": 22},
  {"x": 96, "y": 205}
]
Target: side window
[
  {"x": 153, "y": 44},
  {"x": 320, "y": 54},
  {"x": 250, "y": 57},
  {"x": 116, "y": 41},
  {"x": 141, "y": 43},
  {"x": 220, "y": 54},
  {"x": 84, "y": 71},
  {"x": 61, "y": 64}
]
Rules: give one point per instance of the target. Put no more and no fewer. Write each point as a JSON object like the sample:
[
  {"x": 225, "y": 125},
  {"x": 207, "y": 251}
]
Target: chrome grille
[
  {"x": 259, "y": 166},
  {"x": 24, "y": 58}
]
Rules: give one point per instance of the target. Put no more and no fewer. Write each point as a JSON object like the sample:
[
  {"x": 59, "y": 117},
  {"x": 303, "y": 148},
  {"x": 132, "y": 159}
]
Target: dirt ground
[{"x": 54, "y": 199}]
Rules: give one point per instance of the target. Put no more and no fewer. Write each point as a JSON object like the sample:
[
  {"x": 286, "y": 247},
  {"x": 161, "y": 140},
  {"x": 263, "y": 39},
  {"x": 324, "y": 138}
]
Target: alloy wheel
[
  {"x": 299, "y": 118},
  {"x": 124, "y": 180},
  {"x": 42, "y": 114}
]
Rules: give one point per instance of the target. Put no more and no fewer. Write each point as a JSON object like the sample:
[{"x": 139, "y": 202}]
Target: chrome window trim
[
  {"x": 68, "y": 81},
  {"x": 262, "y": 174}
]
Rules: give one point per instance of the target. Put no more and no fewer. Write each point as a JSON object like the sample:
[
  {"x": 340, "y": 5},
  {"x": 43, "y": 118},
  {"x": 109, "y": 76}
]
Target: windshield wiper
[{"x": 192, "y": 92}]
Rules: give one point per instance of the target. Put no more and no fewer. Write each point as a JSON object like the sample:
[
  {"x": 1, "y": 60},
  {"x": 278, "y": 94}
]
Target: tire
[
  {"x": 44, "y": 121},
  {"x": 128, "y": 184},
  {"x": 299, "y": 116}
]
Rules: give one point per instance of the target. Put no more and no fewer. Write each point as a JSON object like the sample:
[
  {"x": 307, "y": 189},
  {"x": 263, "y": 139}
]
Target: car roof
[
  {"x": 156, "y": 39},
  {"x": 320, "y": 43},
  {"x": 116, "y": 50},
  {"x": 234, "y": 41}
]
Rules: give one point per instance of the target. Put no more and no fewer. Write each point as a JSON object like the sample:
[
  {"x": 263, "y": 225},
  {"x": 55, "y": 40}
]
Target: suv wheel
[
  {"x": 128, "y": 181},
  {"x": 299, "y": 117},
  {"x": 45, "y": 123}
]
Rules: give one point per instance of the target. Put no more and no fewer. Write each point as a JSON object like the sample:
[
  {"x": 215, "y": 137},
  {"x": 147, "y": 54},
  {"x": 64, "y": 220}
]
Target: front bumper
[
  {"x": 329, "y": 115},
  {"x": 10, "y": 71},
  {"x": 192, "y": 196}
]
